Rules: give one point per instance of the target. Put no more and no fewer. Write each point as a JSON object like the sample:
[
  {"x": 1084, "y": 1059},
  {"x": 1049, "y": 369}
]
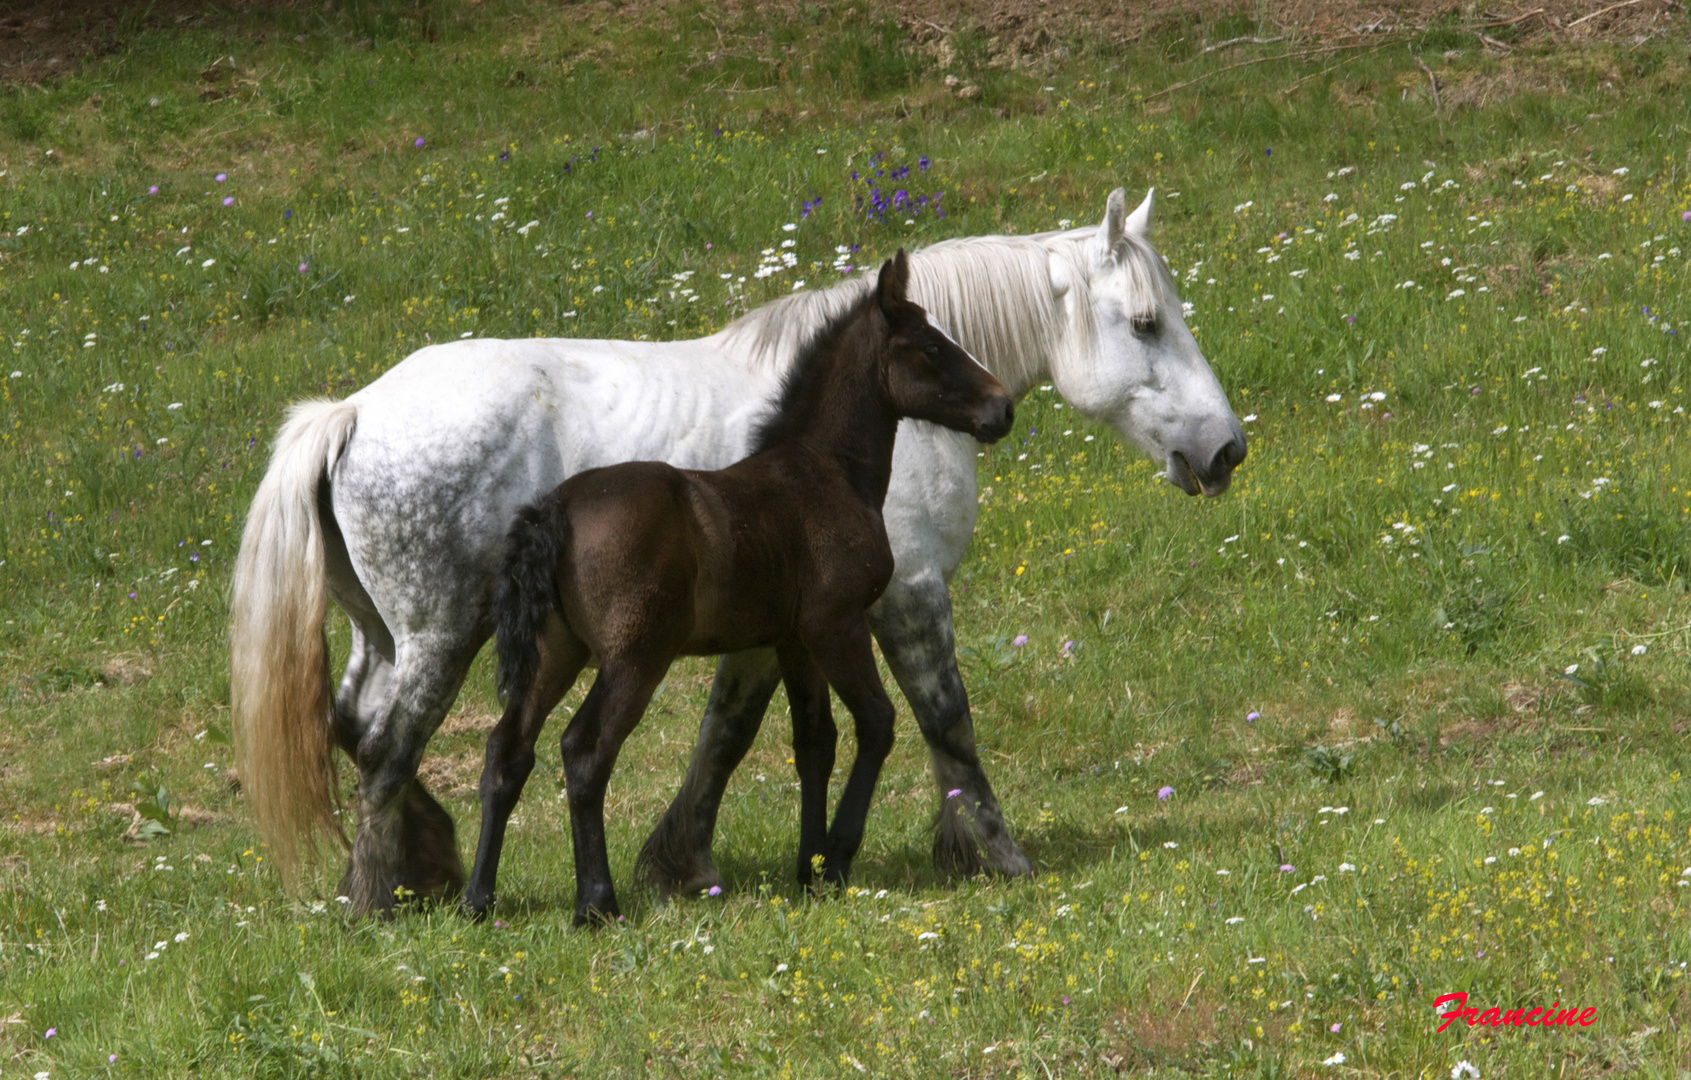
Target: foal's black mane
[{"x": 803, "y": 383}]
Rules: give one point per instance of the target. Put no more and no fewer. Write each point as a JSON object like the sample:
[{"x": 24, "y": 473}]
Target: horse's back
[{"x": 455, "y": 438}]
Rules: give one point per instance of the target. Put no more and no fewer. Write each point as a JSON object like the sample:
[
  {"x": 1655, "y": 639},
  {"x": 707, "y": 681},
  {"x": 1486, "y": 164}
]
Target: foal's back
[{"x": 660, "y": 559}]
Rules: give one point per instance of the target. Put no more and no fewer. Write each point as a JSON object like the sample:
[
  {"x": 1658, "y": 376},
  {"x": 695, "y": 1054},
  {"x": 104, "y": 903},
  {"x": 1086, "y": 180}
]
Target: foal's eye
[
  {"x": 1145, "y": 324},
  {"x": 931, "y": 351}
]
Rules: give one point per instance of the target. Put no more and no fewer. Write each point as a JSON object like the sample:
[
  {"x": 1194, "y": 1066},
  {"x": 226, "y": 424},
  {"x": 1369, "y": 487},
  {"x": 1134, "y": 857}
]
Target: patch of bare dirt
[
  {"x": 1177, "y": 1030},
  {"x": 451, "y": 774},
  {"x": 468, "y": 723},
  {"x": 44, "y": 39},
  {"x": 1020, "y": 30},
  {"x": 125, "y": 669}
]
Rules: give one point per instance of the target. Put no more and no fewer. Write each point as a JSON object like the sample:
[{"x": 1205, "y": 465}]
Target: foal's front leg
[
  {"x": 844, "y": 654},
  {"x": 814, "y": 741},
  {"x": 590, "y": 746}
]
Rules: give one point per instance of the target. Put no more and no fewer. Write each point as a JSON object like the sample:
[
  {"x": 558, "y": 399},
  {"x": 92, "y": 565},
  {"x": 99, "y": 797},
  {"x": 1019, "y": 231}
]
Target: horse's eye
[
  {"x": 931, "y": 350},
  {"x": 1145, "y": 324}
]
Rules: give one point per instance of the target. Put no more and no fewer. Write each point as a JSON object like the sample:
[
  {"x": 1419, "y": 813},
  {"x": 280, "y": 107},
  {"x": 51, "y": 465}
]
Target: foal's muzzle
[{"x": 995, "y": 420}]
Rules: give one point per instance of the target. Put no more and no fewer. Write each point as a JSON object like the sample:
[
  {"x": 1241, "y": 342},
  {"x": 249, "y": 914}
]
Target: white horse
[{"x": 395, "y": 503}]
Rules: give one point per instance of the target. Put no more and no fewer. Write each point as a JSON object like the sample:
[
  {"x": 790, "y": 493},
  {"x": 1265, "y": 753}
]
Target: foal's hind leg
[
  {"x": 590, "y": 745},
  {"x": 676, "y": 858},
  {"x": 814, "y": 741},
  {"x": 844, "y": 653},
  {"x": 912, "y": 621},
  {"x": 510, "y": 754}
]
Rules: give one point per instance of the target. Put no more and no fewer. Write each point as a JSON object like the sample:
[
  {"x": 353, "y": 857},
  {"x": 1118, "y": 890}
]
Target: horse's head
[
  {"x": 928, "y": 375},
  {"x": 1136, "y": 366}
]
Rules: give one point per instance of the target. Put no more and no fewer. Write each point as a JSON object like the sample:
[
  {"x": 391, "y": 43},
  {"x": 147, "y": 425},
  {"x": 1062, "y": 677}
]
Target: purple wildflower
[
  {"x": 1252, "y": 717},
  {"x": 1287, "y": 868},
  {"x": 1268, "y": 151},
  {"x": 229, "y": 200},
  {"x": 1351, "y": 319},
  {"x": 715, "y": 890},
  {"x": 286, "y": 214},
  {"x": 222, "y": 176},
  {"x": 1335, "y": 1028},
  {"x": 1685, "y": 216},
  {"x": 504, "y": 155},
  {"x": 50, "y": 1033},
  {"x": 418, "y": 143},
  {"x": 922, "y": 162},
  {"x": 304, "y": 267},
  {"x": 954, "y": 792},
  {"x": 1019, "y": 640},
  {"x": 153, "y": 189},
  {"x": 1165, "y": 793}
]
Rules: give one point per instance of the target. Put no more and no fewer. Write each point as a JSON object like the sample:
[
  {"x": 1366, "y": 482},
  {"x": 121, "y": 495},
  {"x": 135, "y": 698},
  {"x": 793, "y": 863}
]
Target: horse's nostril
[{"x": 1231, "y": 455}]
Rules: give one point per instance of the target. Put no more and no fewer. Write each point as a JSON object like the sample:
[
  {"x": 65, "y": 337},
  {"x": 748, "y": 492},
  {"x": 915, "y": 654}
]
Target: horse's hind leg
[
  {"x": 676, "y": 858},
  {"x": 429, "y": 864},
  {"x": 814, "y": 741},
  {"x": 590, "y": 746},
  {"x": 912, "y": 621},
  {"x": 405, "y": 843},
  {"x": 510, "y": 753}
]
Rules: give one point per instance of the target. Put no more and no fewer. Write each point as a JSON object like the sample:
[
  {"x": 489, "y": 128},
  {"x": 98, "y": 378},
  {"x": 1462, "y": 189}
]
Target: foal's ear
[{"x": 894, "y": 282}]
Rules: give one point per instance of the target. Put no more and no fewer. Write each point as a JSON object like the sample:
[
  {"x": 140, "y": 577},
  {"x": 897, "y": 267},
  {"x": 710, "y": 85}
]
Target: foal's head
[{"x": 928, "y": 375}]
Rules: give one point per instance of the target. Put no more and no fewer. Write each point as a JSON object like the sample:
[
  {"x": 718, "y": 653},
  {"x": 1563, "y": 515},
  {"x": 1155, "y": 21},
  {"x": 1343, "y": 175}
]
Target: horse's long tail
[
  {"x": 527, "y": 591},
  {"x": 278, "y": 654}
]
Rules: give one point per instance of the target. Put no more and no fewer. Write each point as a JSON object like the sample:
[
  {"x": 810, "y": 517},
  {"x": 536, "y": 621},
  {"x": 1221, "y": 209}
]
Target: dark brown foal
[{"x": 637, "y": 564}]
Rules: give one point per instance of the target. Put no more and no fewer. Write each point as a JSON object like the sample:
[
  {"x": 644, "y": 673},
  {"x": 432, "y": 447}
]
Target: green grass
[{"x": 1400, "y": 587}]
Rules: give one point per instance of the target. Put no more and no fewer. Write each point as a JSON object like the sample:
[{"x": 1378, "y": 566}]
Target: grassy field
[{"x": 1417, "y": 682}]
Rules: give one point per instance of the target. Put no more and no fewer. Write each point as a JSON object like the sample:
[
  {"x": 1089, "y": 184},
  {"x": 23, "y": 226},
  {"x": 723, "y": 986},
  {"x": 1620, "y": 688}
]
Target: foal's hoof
[
  {"x": 597, "y": 917},
  {"x": 475, "y": 908}
]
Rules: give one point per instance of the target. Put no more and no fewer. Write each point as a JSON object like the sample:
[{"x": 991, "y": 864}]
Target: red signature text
[{"x": 1554, "y": 1016}]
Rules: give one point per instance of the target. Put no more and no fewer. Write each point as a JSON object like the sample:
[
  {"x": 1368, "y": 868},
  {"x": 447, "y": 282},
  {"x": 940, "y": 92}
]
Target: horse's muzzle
[{"x": 1212, "y": 478}]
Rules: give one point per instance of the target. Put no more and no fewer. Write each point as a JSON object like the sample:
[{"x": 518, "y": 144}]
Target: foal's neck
[{"x": 847, "y": 418}]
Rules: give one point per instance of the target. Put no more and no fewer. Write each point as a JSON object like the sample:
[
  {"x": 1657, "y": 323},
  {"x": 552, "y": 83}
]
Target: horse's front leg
[
  {"x": 815, "y": 740},
  {"x": 676, "y": 858},
  {"x": 912, "y": 622}
]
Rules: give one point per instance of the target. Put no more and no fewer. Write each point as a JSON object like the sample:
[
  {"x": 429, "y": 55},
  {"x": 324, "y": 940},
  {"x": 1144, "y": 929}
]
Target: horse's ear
[
  {"x": 1139, "y": 222},
  {"x": 892, "y": 286},
  {"x": 1115, "y": 215}
]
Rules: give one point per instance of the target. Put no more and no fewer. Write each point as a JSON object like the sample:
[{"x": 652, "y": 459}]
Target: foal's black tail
[{"x": 527, "y": 591}]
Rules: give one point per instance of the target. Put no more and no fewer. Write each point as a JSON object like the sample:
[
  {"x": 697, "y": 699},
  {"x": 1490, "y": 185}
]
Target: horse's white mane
[{"x": 992, "y": 293}]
